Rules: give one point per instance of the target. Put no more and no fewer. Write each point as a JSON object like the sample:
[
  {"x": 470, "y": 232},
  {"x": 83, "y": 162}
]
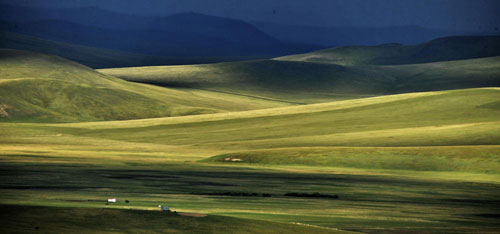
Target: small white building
[
  {"x": 164, "y": 208},
  {"x": 112, "y": 200}
]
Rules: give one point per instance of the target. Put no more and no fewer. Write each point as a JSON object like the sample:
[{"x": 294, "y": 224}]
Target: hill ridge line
[
  {"x": 311, "y": 108},
  {"x": 252, "y": 96},
  {"x": 368, "y": 133}
]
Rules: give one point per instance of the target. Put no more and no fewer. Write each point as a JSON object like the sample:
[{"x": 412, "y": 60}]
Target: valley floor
[
  {"x": 433, "y": 168},
  {"x": 369, "y": 201}
]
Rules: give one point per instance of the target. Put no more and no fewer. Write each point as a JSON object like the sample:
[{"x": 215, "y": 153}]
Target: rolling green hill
[
  {"x": 419, "y": 162},
  {"x": 472, "y": 159},
  {"x": 459, "y": 117},
  {"x": 253, "y": 160},
  {"x": 296, "y": 82},
  {"x": 37, "y": 87},
  {"x": 455, "y": 118},
  {"x": 303, "y": 82},
  {"x": 432, "y": 119},
  {"x": 442, "y": 49}
]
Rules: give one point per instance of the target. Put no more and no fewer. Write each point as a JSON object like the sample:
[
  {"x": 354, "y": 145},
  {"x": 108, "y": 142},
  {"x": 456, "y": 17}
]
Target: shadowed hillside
[
  {"x": 37, "y": 87},
  {"x": 92, "y": 56},
  {"x": 442, "y": 49},
  {"x": 304, "y": 82},
  {"x": 90, "y": 220},
  {"x": 297, "y": 82}
]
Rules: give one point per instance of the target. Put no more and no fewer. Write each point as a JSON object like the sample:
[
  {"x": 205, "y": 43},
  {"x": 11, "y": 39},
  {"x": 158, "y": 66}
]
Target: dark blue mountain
[
  {"x": 229, "y": 29},
  {"x": 166, "y": 41},
  {"x": 90, "y": 16},
  {"x": 183, "y": 35},
  {"x": 342, "y": 36}
]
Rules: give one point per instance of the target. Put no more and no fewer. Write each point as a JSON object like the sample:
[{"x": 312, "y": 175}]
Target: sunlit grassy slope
[
  {"x": 464, "y": 117},
  {"x": 420, "y": 162},
  {"x": 442, "y": 49},
  {"x": 445, "y": 118},
  {"x": 37, "y": 87},
  {"x": 304, "y": 82},
  {"x": 476, "y": 159}
]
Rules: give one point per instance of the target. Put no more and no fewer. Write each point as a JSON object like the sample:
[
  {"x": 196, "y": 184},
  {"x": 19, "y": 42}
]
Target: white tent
[{"x": 164, "y": 208}]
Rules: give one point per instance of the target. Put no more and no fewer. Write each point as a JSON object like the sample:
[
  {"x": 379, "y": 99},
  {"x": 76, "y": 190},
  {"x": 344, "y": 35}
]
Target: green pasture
[
  {"x": 360, "y": 146},
  {"x": 370, "y": 201},
  {"x": 91, "y": 220},
  {"x": 42, "y": 88},
  {"x": 301, "y": 82},
  {"x": 431, "y": 167},
  {"x": 440, "y": 49}
]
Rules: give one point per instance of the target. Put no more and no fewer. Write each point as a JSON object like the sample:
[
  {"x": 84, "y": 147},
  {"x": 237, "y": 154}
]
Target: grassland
[
  {"x": 417, "y": 119},
  {"x": 473, "y": 159},
  {"x": 408, "y": 162},
  {"x": 89, "y": 220},
  {"x": 36, "y": 87},
  {"x": 305, "y": 82},
  {"x": 370, "y": 201},
  {"x": 441, "y": 49},
  {"x": 294, "y": 82},
  {"x": 403, "y": 163},
  {"x": 406, "y": 120}
]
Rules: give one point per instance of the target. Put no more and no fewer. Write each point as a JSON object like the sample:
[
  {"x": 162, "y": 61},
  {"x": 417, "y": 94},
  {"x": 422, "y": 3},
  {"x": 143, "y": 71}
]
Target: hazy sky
[{"x": 451, "y": 14}]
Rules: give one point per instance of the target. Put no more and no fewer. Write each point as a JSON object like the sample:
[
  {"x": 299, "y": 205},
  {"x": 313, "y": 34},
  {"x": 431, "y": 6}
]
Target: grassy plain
[
  {"x": 370, "y": 201},
  {"x": 92, "y": 220},
  {"x": 415, "y": 163},
  {"x": 418, "y": 162}
]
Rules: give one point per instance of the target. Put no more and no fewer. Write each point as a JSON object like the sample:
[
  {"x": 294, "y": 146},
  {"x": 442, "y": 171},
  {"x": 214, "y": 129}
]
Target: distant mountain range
[
  {"x": 342, "y": 36},
  {"x": 180, "y": 35},
  {"x": 165, "y": 42},
  {"x": 441, "y": 49},
  {"x": 188, "y": 37},
  {"x": 96, "y": 57}
]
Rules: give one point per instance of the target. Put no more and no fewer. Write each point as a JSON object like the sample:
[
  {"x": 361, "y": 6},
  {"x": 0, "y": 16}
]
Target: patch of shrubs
[
  {"x": 313, "y": 195},
  {"x": 291, "y": 194},
  {"x": 236, "y": 194}
]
